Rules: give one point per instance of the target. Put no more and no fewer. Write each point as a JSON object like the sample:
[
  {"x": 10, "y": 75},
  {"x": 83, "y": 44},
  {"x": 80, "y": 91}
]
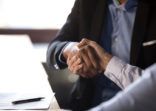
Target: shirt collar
[{"x": 127, "y": 5}]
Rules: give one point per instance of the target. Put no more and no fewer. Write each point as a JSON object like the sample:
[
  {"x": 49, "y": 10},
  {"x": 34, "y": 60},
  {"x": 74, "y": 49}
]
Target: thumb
[{"x": 83, "y": 43}]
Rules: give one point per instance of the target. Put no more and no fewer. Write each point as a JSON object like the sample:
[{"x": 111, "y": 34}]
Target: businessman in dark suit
[{"x": 125, "y": 26}]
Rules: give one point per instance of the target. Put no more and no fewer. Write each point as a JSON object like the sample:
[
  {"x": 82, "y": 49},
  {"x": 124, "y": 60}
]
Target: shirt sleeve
[
  {"x": 139, "y": 96},
  {"x": 122, "y": 73}
]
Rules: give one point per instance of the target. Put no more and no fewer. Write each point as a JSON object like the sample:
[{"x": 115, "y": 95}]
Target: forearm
[{"x": 122, "y": 73}]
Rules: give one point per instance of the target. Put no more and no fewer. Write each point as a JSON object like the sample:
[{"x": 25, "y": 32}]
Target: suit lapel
[
  {"x": 139, "y": 31},
  {"x": 97, "y": 21}
]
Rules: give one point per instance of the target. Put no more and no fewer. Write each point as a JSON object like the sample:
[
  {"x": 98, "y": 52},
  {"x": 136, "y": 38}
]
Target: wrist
[
  {"x": 105, "y": 60},
  {"x": 68, "y": 49}
]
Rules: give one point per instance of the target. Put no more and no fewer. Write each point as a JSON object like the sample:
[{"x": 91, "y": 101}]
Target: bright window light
[{"x": 38, "y": 14}]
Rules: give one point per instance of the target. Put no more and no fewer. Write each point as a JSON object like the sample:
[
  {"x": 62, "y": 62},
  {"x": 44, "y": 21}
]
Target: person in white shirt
[{"x": 139, "y": 96}]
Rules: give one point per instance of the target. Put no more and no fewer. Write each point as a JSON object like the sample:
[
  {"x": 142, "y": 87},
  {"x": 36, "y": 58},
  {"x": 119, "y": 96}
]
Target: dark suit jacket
[{"x": 87, "y": 20}]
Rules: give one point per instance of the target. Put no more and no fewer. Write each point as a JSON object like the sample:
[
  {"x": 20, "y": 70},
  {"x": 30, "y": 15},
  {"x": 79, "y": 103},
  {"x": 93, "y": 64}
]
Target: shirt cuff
[
  {"x": 114, "y": 70},
  {"x": 68, "y": 45}
]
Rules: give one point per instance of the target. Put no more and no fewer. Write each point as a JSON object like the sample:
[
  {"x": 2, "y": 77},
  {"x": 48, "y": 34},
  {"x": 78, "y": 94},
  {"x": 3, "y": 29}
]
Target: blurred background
[
  {"x": 34, "y": 14},
  {"x": 41, "y": 20}
]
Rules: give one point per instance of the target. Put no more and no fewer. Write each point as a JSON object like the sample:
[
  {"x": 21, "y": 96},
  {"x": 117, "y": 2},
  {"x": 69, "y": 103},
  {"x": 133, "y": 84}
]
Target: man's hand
[
  {"x": 79, "y": 60},
  {"x": 102, "y": 55},
  {"x": 85, "y": 62},
  {"x": 70, "y": 50},
  {"x": 87, "y": 59},
  {"x": 74, "y": 62}
]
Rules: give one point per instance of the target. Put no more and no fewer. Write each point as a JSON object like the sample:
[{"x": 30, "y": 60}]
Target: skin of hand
[
  {"x": 88, "y": 59},
  {"x": 69, "y": 54},
  {"x": 79, "y": 60},
  {"x": 103, "y": 56},
  {"x": 75, "y": 64},
  {"x": 81, "y": 63},
  {"x": 70, "y": 50}
]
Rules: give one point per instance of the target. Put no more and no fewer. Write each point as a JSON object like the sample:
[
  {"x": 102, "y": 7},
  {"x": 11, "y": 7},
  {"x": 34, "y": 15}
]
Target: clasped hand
[{"x": 86, "y": 58}]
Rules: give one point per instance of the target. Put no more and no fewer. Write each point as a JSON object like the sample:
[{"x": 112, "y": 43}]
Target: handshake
[{"x": 86, "y": 58}]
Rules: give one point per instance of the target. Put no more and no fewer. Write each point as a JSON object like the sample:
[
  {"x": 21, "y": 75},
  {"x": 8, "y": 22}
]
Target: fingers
[
  {"x": 83, "y": 54},
  {"x": 91, "y": 64},
  {"x": 92, "y": 56},
  {"x": 77, "y": 66},
  {"x": 71, "y": 60},
  {"x": 102, "y": 54},
  {"x": 74, "y": 63},
  {"x": 85, "y": 62},
  {"x": 85, "y": 41}
]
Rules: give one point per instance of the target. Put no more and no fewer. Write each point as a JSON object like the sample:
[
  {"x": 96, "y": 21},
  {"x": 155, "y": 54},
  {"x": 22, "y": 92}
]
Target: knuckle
[{"x": 93, "y": 42}]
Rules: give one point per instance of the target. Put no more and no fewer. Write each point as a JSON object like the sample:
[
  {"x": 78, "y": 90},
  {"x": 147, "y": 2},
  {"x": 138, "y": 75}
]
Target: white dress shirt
[
  {"x": 122, "y": 73},
  {"x": 139, "y": 96}
]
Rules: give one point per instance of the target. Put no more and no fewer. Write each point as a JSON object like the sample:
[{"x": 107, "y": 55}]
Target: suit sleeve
[
  {"x": 68, "y": 33},
  {"x": 140, "y": 96}
]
